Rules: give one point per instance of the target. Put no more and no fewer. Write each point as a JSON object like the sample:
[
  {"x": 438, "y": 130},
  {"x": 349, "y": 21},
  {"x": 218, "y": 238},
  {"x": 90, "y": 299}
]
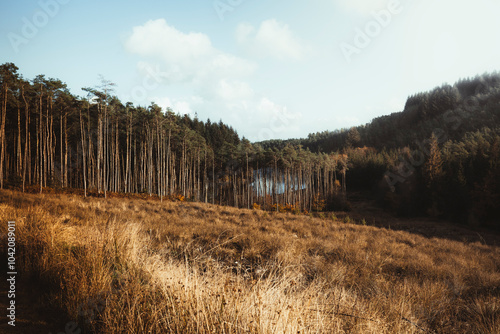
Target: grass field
[{"x": 136, "y": 266}]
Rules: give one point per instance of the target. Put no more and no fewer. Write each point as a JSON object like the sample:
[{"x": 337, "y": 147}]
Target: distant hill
[{"x": 469, "y": 105}]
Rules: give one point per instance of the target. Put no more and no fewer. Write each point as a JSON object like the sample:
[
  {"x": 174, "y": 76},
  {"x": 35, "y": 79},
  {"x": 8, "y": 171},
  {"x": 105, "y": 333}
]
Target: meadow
[{"x": 122, "y": 265}]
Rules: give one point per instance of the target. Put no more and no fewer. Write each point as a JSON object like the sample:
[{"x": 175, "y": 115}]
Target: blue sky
[{"x": 271, "y": 69}]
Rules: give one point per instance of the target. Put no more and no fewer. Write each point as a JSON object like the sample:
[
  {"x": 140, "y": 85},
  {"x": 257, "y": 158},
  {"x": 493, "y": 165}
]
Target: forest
[{"x": 438, "y": 157}]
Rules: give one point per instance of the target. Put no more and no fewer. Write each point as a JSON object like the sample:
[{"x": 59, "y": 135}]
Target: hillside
[
  {"x": 438, "y": 157},
  {"x": 145, "y": 266}
]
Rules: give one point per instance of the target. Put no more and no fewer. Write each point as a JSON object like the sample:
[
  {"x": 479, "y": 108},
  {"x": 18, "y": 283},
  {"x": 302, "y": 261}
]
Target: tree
[
  {"x": 433, "y": 167},
  {"x": 433, "y": 171},
  {"x": 8, "y": 80},
  {"x": 353, "y": 137}
]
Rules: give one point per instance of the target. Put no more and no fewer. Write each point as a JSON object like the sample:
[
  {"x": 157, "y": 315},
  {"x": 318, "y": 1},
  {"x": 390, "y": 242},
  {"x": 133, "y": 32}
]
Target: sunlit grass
[{"x": 133, "y": 266}]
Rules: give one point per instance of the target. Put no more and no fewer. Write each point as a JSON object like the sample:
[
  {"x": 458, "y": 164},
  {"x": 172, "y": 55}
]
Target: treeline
[
  {"x": 51, "y": 138},
  {"x": 439, "y": 156}
]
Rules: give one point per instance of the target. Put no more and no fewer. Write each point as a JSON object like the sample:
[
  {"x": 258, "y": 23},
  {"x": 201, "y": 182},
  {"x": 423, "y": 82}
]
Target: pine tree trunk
[
  {"x": 66, "y": 151},
  {"x": 84, "y": 157},
  {"x": 26, "y": 141},
  {"x": 3, "y": 120}
]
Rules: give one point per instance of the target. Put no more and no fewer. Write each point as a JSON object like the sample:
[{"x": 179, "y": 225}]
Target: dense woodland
[
  {"x": 51, "y": 138},
  {"x": 440, "y": 156}
]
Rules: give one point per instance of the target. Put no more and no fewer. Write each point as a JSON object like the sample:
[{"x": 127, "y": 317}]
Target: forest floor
[
  {"x": 192, "y": 267},
  {"x": 364, "y": 207}
]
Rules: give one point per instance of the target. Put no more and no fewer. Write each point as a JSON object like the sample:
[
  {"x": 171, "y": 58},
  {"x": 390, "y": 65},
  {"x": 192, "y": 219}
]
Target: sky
[{"x": 271, "y": 69}]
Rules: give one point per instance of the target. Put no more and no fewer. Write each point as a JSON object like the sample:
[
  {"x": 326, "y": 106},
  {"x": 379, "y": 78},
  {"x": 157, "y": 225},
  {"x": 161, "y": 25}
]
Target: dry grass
[{"x": 133, "y": 266}]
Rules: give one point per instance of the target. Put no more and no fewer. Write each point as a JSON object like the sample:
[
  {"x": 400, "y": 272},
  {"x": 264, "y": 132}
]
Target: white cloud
[
  {"x": 163, "y": 102},
  {"x": 210, "y": 82},
  {"x": 183, "y": 108},
  {"x": 179, "y": 106},
  {"x": 184, "y": 57},
  {"x": 268, "y": 106},
  {"x": 234, "y": 90},
  {"x": 158, "y": 38},
  {"x": 244, "y": 32},
  {"x": 278, "y": 121},
  {"x": 257, "y": 118},
  {"x": 272, "y": 39}
]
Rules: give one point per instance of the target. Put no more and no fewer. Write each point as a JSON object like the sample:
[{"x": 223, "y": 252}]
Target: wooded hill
[
  {"x": 454, "y": 174},
  {"x": 439, "y": 156}
]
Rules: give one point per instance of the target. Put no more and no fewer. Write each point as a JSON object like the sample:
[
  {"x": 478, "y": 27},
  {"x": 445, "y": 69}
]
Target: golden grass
[{"x": 133, "y": 266}]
